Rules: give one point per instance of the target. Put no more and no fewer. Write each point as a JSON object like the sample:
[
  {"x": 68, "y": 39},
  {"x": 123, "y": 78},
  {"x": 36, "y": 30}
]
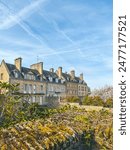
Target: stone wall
[
  {"x": 4, "y": 73},
  {"x": 77, "y": 143}
]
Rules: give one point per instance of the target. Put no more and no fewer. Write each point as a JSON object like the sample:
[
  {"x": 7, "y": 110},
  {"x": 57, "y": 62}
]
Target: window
[
  {"x": 41, "y": 88},
  {"x": 29, "y": 76},
  {"x": 30, "y": 99},
  {"x": 62, "y": 81},
  {"x": 50, "y": 79},
  {"x": 1, "y": 76},
  {"x": 51, "y": 87},
  {"x": 85, "y": 89},
  {"x": 34, "y": 99},
  {"x": 30, "y": 88},
  {"x": 25, "y": 88},
  {"x": 34, "y": 89},
  {"x": 32, "y": 77},
  {"x": 56, "y": 80},
  {"x": 41, "y": 99},
  {"x": 16, "y": 74},
  {"x": 25, "y": 76},
  {"x": 63, "y": 89},
  {"x": 41, "y": 79}
]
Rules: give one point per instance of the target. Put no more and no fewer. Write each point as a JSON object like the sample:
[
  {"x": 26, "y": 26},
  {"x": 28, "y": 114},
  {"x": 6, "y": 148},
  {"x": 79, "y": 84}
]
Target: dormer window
[
  {"x": 62, "y": 81},
  {"x": 68, "y": 78},
  {"x": 29, "y": 76},
  {"x": 25, "y": 76},
  {"x": 32, "y": 77},
  {"x": 41, "y": 79},
  {"x": 56, "y": 80},
  {"x": 50, "y": 79},
  {"x": 16, "y": 74}
]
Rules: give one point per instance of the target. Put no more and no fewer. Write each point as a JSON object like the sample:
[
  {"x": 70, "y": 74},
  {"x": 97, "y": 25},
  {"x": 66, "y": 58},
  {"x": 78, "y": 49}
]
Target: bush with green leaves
[
  {"x": 10, "y": 103},
  {"x": 93, "y": 100},
  {"x": 15, "y": 107},
  {"x": 108, "y": 103},
  {"x": 73, "y": 99}
]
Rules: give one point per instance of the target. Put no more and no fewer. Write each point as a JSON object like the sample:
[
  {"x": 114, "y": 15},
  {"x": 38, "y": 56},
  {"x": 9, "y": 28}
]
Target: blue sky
[{"x": 74, "y": 34}]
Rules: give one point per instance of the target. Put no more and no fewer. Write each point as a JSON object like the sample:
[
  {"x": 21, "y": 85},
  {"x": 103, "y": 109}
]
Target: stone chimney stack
[
  {"x": 52, "y": 70},
  {"x": 60, "y": 72},
  {"x": 72, "y": 73},
  {"x": 18, "y": 63},
  {"x": 81, "y": 76},
  {"x": 38, "y": 67}
]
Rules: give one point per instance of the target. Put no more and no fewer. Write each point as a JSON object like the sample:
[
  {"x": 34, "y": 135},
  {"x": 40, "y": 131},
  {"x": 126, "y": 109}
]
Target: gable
[{"x": 4, "y": 72}]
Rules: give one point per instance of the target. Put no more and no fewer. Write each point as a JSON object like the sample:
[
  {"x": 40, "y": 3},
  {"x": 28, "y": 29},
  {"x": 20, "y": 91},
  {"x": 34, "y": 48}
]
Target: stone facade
[{"x": 40, "y": 83}]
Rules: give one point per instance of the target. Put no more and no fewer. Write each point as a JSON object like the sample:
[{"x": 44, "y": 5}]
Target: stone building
[{"x": 40, "y": 83}]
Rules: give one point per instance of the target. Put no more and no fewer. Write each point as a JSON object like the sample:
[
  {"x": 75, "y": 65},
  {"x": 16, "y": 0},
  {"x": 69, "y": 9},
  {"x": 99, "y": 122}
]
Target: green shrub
[
  {"x": 73, "y": 99},
  {"x": 109, "y": 103},
  {"x": 94, "y": 101}
]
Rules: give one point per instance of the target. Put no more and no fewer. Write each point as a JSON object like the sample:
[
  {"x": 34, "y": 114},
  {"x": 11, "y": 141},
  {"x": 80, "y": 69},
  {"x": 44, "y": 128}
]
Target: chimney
[
  {"x": 81, "y": 76},
  {"x": 72, "y": 73},
  {"x": 38, "y": 67},
  {"x": 18, "y": 63},
  {"x": 60, "y": 72},
  {"x": 52, "y": 70}
]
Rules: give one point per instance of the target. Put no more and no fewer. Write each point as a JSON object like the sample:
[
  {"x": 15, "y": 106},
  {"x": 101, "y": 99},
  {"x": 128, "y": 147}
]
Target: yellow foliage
[{"x": 4, "y": 147}]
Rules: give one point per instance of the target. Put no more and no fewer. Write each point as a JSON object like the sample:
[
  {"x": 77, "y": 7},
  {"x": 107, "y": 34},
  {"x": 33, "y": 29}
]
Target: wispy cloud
[
  {"x": 57, "y": 53},
  {"x": 56, "y": 27},
  {"x": 13, "y": 19}
]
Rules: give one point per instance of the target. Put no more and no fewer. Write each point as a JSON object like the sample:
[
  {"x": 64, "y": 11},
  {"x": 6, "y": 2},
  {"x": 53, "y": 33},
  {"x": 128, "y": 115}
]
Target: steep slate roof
[
  {"x": 10, "y": 67},
  {"x": 27, "y": 70},
  {"x": 24, "y": 70},
  {"x": 46, "y": 74},
  {"x": 51, "y": 74},
  {"x": 75, "y": 80}
]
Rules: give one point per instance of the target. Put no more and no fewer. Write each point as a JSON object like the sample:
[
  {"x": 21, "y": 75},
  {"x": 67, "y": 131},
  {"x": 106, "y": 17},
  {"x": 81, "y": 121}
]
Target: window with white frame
[
  {"x": 41, "y": 88},
  {"x": 34, "y": 88},
  {"x": 25, "y": 76},
  {"x": 50, "y": 79},
  {"x": 30, "y": 99},
  {"x": 79, "y": 88},
  {"x": 34, "y": 99},
  {"x": 30, "y": 88},
  {"x": 56, "y": 80},
  {"x": 16, "y": 74},
  {"x": 25, "y": 88},
  {"x": 51, "y": 88},
  {"x": 41, "y": 100}
]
